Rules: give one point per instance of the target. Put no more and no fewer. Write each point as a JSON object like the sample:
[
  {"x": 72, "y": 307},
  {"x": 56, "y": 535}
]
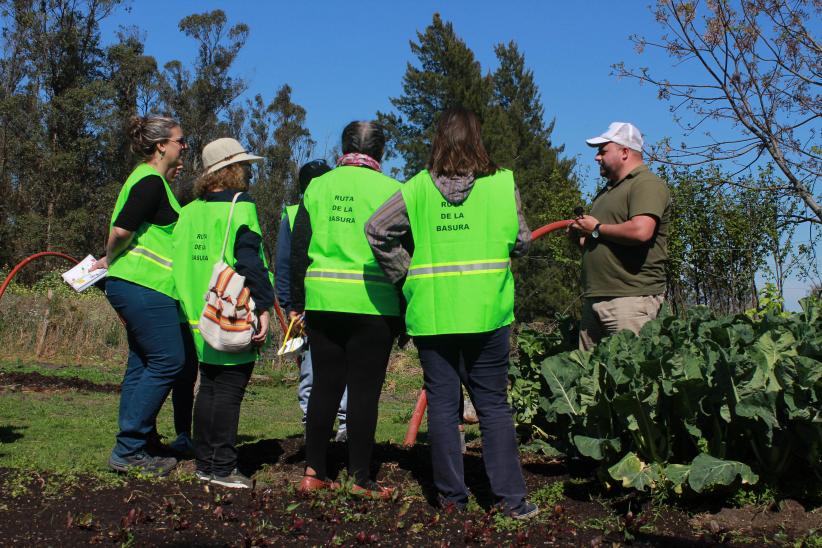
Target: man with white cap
[{"x": 624, "y": 239}]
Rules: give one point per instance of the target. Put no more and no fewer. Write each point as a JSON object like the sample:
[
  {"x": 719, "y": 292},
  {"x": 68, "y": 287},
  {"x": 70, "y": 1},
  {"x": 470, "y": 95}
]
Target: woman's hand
[
  {"x": 102, "y": 262},
  {"x": 265, "y": 324},
  {"x": 297, "y": 318}
]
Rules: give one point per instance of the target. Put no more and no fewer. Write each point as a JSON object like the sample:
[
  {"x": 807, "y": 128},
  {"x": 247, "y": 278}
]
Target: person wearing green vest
[
  {"x": 351, "y": 309},
  {"x": 448, "y": 237},
  {"x": 282, "y": 284},
  {"x": 141, "y": 289},
  {"x": 198, "y": 241}
]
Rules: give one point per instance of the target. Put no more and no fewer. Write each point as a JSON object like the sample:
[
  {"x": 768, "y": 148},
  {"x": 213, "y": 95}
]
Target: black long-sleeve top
[{"x": 300, "y": 239}]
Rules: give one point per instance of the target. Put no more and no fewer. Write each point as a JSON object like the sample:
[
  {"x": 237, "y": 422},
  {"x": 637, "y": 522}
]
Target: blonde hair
[{"x": 230, "y": 177}]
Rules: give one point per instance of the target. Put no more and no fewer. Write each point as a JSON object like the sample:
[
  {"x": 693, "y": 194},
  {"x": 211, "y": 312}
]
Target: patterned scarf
[{"x": 358, "y": 159}]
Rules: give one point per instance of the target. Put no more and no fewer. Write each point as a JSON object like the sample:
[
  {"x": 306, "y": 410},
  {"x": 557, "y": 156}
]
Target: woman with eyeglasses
[{"x": 141, "y": 289}]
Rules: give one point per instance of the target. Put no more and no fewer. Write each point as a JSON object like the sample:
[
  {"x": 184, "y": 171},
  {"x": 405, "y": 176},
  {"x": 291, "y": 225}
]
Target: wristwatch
[{"x": 595, "y": 232}]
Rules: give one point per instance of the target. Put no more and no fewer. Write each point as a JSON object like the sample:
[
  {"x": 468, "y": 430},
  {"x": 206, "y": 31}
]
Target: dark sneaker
[
  {"x": 234, "y": 480},
  {"x": 142, "y": 462},
  {"x": 155, "y": 446},
  {"x": 526, "y": 510},
  {"x": 182, "y": 446},
  {"x": 202, "y": 476}
]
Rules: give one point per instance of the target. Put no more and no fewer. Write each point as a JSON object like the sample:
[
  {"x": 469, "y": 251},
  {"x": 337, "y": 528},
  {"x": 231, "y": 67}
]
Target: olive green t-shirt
[{"x": 610, "y": 269}]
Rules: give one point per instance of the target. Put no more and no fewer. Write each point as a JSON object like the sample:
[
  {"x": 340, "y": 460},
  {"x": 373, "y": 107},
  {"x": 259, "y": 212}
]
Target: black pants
[
  {"x": 347, "y": 350},
  {"x": 480, "y": 362},
  {"x": 217, "y": 416}
]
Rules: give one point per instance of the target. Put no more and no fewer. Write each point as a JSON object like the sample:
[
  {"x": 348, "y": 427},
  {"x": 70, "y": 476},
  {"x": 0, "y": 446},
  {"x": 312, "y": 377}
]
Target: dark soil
[
  {"x": 35, "y": 382},
  {"x": 52, "y": 509},
  {"x": 47, "y": 509}
]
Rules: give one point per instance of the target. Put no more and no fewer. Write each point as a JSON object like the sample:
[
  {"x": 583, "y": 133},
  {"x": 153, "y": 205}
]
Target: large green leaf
[
  {"x": 634, "y": 473},
  {"x": 707, "y": 471},
  {"x": 597, "y": 448},
  {"x": 766, "y": 354},
  {"x": 677, "y": 474},
  {"x": 562, "y": 372}
]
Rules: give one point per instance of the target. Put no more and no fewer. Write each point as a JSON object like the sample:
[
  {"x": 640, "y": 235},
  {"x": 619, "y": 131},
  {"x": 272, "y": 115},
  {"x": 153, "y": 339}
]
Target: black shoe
[
  {"x": 234, "y": 480},
  {"x": 142, "y": 462}
]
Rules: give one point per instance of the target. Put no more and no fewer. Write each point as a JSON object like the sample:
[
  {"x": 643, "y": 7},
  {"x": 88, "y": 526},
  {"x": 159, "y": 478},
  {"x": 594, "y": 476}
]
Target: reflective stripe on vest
[
  {"x": 344, "y": 275},
  {"x": 147, "y": 260},
  {"x": 455, "y": 269},
  {"x": 459, "y": 279},
  {"x": 161, "y": 261}
]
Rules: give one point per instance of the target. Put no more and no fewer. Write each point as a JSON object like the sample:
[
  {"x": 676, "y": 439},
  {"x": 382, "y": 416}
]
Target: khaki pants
[{"x": 604, "y": 316}]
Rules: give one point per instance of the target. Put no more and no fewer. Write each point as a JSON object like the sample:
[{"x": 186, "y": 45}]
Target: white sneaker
[{"x": 234, "y": 480}]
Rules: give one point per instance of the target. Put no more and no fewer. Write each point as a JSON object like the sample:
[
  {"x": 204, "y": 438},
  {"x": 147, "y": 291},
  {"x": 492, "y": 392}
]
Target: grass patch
[
  {"x": 549, "y": 495},
  {"x": 72, "y": 432}
]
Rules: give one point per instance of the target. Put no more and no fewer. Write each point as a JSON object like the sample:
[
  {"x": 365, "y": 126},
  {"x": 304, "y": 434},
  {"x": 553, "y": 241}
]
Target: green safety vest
[
  {"x": 343, "y": 275},
  {"x": 460, "y": 279},
  {"x": 147, "y": 260},
  {"x": 198, "y": 239},
  {"x": 291, "y": 213}
]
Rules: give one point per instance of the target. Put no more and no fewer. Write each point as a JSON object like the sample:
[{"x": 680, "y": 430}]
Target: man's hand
[
  {"x": 265, "y": 324},
  {"x": 585, "y": 224}
]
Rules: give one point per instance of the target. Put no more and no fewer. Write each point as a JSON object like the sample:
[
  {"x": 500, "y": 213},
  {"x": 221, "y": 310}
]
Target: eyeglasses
[{"x": 181, "y": 141}]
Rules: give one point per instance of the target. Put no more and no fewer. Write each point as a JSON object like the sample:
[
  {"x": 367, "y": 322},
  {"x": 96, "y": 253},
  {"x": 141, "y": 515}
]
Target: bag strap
[{"x": 228, "y": 225}]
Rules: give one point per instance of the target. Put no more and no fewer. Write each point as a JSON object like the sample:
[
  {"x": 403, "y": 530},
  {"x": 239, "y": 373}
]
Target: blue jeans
[
  {"x": 155, "y": 359},
  {"x": 304, "y": 389},
  {"x": 480, "y": 362}
]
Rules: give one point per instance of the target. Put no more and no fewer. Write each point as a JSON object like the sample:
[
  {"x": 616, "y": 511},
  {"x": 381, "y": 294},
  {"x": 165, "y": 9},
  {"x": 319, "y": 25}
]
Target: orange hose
[{"x": 416, "y": 420}]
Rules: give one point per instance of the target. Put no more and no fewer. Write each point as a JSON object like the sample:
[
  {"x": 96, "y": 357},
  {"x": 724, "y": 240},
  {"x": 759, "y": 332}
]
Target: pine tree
[
  {"x": 516, "y": 136},
  {"x": 448, "y": 75}
]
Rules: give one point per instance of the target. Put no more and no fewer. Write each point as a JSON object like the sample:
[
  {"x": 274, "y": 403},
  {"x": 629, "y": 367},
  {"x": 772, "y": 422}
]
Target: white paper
[
  {"x": 80, "y": 278},
  {"x": 291, "y": 346}
]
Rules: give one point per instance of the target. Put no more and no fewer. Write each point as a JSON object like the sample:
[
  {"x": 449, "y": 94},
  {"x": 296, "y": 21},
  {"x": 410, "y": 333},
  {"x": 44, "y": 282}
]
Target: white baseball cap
[
  {"x": 621, "y": 133},
  {"x": 226, "y": 151}
]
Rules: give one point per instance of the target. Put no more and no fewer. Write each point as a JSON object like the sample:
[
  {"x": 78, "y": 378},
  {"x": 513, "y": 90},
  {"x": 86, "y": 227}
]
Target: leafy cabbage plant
[{"x": 698, "y": 401}]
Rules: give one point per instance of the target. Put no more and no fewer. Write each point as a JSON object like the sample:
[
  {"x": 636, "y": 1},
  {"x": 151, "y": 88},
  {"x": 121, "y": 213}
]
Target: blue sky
[{"x": 344, "y": 60}]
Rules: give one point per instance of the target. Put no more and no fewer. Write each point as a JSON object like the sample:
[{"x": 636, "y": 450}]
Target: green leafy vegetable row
[{"x": 698, "y": 401}]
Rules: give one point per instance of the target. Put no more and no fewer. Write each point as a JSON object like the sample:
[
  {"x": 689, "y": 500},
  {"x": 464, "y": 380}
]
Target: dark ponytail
[{"x": 365, "y": 138}]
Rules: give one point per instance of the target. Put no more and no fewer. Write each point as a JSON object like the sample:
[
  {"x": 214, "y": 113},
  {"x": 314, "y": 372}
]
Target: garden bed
[{"x": 44, "y": 508}]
